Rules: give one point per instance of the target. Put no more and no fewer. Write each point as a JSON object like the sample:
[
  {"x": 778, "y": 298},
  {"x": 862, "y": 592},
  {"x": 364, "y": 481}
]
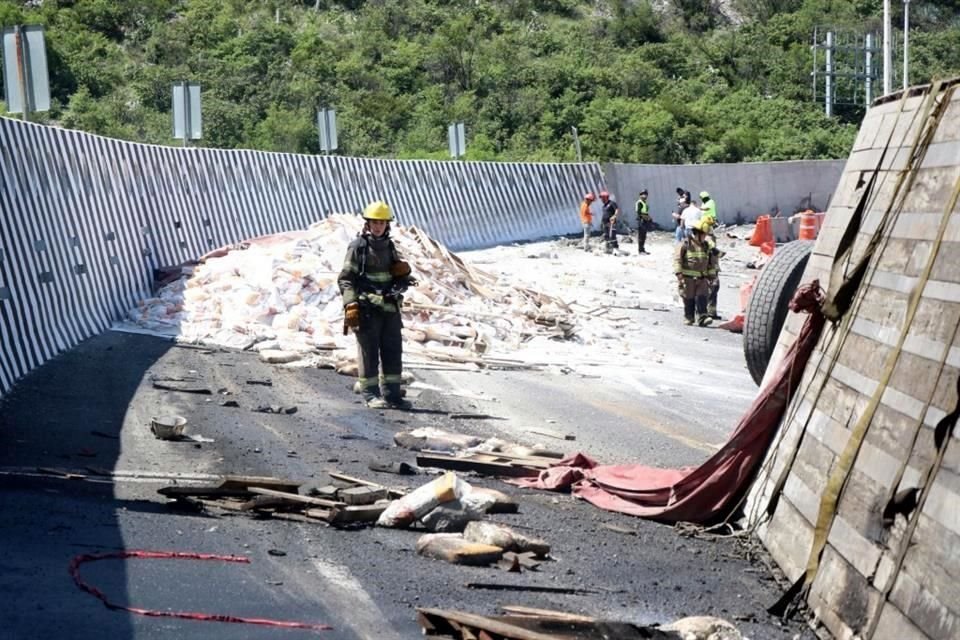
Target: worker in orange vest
[{"x": 586, "y": 219}]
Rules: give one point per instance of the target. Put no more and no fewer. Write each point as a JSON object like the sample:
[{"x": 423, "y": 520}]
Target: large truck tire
[{"x": 768, "y": 304}]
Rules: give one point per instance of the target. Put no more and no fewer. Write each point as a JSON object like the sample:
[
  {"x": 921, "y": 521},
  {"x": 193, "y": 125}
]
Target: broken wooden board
[
  {"x": 296, "y": 497},
  {"x": 362, "y": 495},
  {"x": 483, "y": 467},
  {"x": 452, "y": 548},
  {"x": 264, "y": 482},
  {"x": 356, "y": 514},
  {"x": 391, "y": 492},
  {"x": 519, "y": 610},
  {"x": 199, "y": 491}
]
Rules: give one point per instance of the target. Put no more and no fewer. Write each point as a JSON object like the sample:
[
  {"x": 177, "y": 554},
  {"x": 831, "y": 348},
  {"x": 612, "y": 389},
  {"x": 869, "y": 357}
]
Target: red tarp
[{"x": 705, "y": 493}]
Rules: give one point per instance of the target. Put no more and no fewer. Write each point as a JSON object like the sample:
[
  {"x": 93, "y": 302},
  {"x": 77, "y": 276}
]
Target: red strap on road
[{"x": 176, "y": 555}]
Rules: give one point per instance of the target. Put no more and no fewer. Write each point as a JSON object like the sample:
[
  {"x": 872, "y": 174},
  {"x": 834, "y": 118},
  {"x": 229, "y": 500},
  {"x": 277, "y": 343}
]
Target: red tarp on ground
[{"x": 705, "y": 493}]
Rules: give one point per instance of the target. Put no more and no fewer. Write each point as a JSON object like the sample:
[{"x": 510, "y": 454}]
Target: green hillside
[{"x": 669, "y": 81}]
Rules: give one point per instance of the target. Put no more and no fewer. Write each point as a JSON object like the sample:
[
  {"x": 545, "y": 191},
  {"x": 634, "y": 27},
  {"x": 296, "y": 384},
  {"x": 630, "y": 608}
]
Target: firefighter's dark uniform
[
  {"x": 713, "y": 276},
  {"x": 366, "y": 280},
  {"x": 691, "y": 261}
]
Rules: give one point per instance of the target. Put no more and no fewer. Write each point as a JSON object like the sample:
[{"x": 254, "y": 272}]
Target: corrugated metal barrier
[{"x": 86, "y": 219}]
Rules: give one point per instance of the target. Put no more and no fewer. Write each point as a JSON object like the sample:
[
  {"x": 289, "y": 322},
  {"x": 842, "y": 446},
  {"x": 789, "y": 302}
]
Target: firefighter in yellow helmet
[
  {"x": 372, "y": 283},
  {"x": 691, "y": 266}
]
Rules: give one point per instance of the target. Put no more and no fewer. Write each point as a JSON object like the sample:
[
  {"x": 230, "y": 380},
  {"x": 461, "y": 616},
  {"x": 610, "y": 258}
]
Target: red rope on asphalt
[{"x": 176, "y": 555}]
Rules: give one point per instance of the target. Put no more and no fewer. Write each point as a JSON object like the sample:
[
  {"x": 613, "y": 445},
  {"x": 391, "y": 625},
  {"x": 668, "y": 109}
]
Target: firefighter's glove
[
  {"x": 351, "y": 316},
  {"x": 400, "y": 269}
]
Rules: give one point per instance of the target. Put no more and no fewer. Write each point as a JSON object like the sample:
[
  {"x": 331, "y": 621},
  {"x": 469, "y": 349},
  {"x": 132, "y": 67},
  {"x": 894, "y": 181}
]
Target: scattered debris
[
  {"x": 703, "y": 628},
  {"x": 452, "y": 548},
  {"x": 552, "y": 434},
  {"x": 276, "y": 356},
  {"x": 168, "y": 427},
  {"x": 182, "y": 388},
  {"x": 273, "y": 408},
  {"x": 276, "y": 498},
  {"x": 624, "y": 530},
  {"x": 399, "y": 468},
  {"x": 467, "y": 626},
  {"x": 502, "y": 503},
  {"x": 514, "y": 562},
  {"x": 278, "y": 295},
  {"x": 573, "y": 591},
  {"x": 506, "y": 538},
  {"x": 363, "y": 495},
  {"x": 418, "y": 503},
  {"x": 488, "y": 464},
  {"x": 266, "y": 383},
  {"x": 435, "y": 440}
]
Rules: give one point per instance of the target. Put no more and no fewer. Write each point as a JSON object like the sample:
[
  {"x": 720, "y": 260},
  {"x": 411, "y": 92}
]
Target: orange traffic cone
[
  {"x": 763, "y": 232},
  {"x": 808, "y": 225}
]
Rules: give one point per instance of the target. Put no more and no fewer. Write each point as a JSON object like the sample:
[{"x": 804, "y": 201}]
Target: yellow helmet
[{"x": 378, "y": 210}]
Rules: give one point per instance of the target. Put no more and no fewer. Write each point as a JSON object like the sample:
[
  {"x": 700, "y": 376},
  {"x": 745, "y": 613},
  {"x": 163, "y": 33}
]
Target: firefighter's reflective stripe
[
  {"x": 366, "y": 383},
  {"x": 691, "y": 260}
]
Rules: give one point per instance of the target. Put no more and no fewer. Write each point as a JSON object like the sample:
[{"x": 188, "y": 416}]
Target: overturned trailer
[{"x": 858, "y": 498}]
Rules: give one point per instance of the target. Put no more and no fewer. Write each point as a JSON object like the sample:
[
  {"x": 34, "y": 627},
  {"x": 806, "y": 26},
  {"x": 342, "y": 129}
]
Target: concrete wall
[
  {"x": 747, "y": 189},
  {"x": 879, "y": 578}
]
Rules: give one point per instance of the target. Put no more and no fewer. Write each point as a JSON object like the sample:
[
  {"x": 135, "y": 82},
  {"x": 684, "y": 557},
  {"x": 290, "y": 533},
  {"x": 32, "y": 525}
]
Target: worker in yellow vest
[
  {"x": 709, "y": 208},
  {"x": 643, "y": 221}
]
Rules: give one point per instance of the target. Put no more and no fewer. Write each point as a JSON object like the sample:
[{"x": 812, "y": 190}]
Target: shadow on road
[{"x": 66, "y": 417}]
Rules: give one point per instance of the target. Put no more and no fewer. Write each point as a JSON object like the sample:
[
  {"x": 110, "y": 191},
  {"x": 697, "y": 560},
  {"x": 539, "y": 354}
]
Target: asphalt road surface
[{"x": 89, "y": 410}]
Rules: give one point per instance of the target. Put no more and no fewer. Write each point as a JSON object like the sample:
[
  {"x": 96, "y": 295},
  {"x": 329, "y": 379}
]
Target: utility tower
[{"x": 848, "y": 66}]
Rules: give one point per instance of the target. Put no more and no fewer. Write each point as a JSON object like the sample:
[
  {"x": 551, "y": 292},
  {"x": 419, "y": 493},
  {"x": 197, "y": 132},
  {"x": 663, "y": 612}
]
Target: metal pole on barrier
[
  {"x": 186, "y": 112},
  {"x": 22, "y": 70},
  {"x": 906, "y": 40},
  {"x": 887, "y": 62}
]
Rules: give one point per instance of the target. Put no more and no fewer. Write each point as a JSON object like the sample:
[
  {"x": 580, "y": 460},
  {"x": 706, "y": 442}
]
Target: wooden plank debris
[
  {"x": 545, "y": 613},
  {"x": 392, "y": 492},
  {"x": 362, "y": 495},
  {"x": 296, "y": 497},
  {"x": 265, "y": 482},
  {"x": 472, "y": 463},
  {"x": 356, "y": 514}
]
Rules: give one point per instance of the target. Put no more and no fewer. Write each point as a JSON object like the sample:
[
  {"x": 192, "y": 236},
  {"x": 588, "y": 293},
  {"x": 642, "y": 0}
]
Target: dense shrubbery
[{"x": 680, "y": 83}]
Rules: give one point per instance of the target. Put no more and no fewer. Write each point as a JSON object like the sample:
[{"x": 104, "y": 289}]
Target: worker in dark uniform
[
  {"x": 372, "y": 283},
  {"x": 643, "y": 221},
  {"x": 611, "y": 212},
  {"x": 690, "y": 265}
]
